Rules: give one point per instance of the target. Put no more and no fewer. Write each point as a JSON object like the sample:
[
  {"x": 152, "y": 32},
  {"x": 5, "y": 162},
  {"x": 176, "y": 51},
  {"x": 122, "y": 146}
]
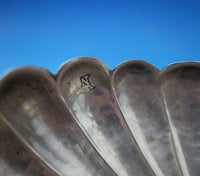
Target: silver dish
[{"x": 87, "y": 120}]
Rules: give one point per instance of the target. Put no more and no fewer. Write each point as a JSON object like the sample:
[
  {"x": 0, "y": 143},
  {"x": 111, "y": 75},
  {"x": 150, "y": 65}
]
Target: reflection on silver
[{"x": 88, "y": 120}]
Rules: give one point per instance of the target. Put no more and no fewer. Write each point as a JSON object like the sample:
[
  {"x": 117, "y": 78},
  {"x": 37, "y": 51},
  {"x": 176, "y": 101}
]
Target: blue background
[{"x": 47, "y": 33}]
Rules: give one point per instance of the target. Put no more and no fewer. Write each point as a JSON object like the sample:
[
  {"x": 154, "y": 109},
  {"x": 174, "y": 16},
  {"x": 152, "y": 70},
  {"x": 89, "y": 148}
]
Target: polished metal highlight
[{"x": 87, "y": 120}]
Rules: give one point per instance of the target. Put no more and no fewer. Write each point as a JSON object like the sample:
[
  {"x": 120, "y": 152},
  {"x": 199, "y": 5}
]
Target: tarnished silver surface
[
  {"x": 16, "y": 159},
  {"x": 136, "y": 85},
  {"x": 89, "y": 121},
  {"x": 181, "y": 92},
  {"x": 96, "y": 111},
  {"x": 32, "y": 109}
]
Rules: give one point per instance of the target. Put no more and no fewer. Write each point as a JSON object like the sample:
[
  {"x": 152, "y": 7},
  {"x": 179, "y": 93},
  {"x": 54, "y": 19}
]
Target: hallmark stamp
[{"x": 86, "y": 82}]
